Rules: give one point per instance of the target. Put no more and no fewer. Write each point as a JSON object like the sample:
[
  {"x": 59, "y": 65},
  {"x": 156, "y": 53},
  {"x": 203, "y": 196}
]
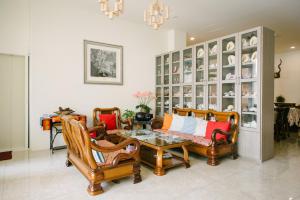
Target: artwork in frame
[{"x": 103, "y": 63}]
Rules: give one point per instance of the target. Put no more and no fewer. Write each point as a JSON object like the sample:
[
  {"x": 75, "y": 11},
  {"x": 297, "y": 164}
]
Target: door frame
[{"x": 26, "y": 100}]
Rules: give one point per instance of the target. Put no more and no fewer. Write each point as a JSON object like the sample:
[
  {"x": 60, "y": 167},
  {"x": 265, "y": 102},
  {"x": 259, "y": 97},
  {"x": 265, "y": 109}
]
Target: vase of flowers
[{"x": 144, "y": 99}]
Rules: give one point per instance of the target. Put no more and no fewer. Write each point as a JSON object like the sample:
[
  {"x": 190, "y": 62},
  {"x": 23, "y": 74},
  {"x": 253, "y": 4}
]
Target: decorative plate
[
  {"x": 253, "y": 41},
  {"x": 245, "y": 58},
  {"x": 230, "y": 46},
  {"x": 231, "y": 60},
  {"x": 254, "y": 56},
  {"x": 200, "y": 53},
  {"x": 213, "y": 50},
  {"x": 245, "y": 42}
]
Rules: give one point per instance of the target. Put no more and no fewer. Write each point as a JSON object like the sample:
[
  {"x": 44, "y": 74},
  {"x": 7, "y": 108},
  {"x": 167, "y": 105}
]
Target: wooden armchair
[
  {"x": 118, "y": 162},
  {"x": 119, "y": 120}
]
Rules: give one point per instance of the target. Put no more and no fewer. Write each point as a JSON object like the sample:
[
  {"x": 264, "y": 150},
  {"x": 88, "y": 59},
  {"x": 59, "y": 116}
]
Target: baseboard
[{"x": 7, "y": 155}]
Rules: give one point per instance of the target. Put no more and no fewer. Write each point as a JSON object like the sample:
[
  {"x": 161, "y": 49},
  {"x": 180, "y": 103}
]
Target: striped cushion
[
  {"x": 98, "y": 156},
  {"x": 108, "y": 157}
]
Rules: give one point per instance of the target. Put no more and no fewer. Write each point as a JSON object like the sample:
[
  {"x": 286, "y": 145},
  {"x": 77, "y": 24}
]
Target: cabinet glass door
[
  {"x": 249, "y": 43},
  {"x": 175, "y": 97},
  {"x": 176, "y": 67},
  {"x": 187, "y": 96},
  {"x": 213, "y": 61},
  {"x": 166, "y": 99},
  {"x": 187, "y": 65},
  {"x": 200, "y": 104},
  {"x": 229, "y": 74},
  {"x": 166, "y": 69},
  {"x": 200, "y": 55},
  {"x": 158, "y": 102},
  {"x": 158, "y": 70},
  {"x": 212, "y": 96}
]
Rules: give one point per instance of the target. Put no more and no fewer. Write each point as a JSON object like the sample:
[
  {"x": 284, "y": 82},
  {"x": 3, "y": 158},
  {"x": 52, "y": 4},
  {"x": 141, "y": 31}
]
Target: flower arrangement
[{"x": 144, "y": 99}]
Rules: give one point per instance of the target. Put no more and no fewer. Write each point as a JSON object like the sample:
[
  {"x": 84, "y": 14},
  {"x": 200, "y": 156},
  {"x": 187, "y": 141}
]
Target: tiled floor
[{"x": 41, "y": 176}]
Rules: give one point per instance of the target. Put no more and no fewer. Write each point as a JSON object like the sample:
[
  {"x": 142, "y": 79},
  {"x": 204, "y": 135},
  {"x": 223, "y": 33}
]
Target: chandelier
[
  {"x": 156, "y": 14},
  {"x": 116, "y": 11}
]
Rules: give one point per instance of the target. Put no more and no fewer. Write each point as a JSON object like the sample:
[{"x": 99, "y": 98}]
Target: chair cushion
[
  {"x": 177, "y": 123},
  {"x": 167, "y": 121},
  {"x": 93, "y": 135},
  {"x": 108, "y": 157},
  {"x": 189, "y": 125},
  {"x": 109, "y": 120},
  {"x": 200, "y": 128},
  {"x": 211, "y": 126}
]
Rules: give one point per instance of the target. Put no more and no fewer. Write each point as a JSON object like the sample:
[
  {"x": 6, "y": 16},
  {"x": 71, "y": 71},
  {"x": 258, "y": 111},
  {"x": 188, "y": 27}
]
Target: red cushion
[
  {"x": 93, "y": 135},
  {"x": 109, "y": 120},
  {"x": 211, "y": 126}
]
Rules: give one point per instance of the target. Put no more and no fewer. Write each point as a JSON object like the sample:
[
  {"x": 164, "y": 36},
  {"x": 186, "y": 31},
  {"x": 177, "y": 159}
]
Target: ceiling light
[
  {"x": 116, "y": 11},
  {"x": 156, "y": 14},
  {"x": 192, "y": 38},
  {"x": 292, "y": 47}
]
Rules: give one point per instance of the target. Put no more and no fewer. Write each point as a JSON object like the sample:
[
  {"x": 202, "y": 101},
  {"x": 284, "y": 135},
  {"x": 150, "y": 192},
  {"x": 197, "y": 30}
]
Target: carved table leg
[
  {"x": 137, "y": 173},
  {"x": 159, "y": 171},
  {"x": 94, "y": 189},
  {"x": 186, "y": 156}
]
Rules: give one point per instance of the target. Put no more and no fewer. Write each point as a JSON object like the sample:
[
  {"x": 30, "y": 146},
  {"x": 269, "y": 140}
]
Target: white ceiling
[{"x": 208, "y": 19}]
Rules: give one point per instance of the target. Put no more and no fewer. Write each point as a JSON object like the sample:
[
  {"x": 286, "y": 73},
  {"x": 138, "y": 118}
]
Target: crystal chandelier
[
  {"x": 156, "y": 14},
  {"x": 116, "y": 11}
]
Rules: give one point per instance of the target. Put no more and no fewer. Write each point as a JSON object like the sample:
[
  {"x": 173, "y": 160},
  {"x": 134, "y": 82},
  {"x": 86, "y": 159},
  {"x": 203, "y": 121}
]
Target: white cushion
[
  {"x": 177, "y": 123},
  {"x": 200, "y": 128}
]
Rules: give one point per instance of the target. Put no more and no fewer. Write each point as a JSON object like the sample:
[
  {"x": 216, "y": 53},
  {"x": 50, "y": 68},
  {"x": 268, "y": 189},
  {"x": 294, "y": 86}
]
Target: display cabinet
[{"x": 231, "y": 73}]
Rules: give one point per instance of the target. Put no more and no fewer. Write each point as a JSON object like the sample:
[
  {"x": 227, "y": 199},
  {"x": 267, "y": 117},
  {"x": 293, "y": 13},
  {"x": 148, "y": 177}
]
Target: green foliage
[
  {"x": 280, "y": 99},
  {"x": 144, "y": 108},
  {"x": 128, "y": 114}
]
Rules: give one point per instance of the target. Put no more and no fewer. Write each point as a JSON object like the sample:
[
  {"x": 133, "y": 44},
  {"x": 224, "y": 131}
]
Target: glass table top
[{"x": 153, "y": 137}]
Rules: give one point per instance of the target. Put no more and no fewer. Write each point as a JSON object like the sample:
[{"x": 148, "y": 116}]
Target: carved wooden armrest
[
  {"x": 122, "y": 145},
  {"x": 128, "y": 122},
  {"x": 219, "y": 131},
  {"x": 157, "y": 123}
]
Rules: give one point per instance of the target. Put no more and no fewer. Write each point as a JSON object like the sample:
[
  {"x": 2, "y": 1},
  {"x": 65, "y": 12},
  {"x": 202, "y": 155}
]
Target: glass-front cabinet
[
  {"x": 187, "y": 96},
  {"x": 229, "y": 73},
  {"x": 200, "y": 64},
  {"x": 166, "y": 93},
  {"x": 187, "y": 62},
  {"x": 166, "y": 76},
  {"x": 158, "y": 107},
  {"x": 200, "y": 97},
  {"x": 213, "y": 74},
  {"x": 176, "y": 92},
  {"x": 176, "y": 67},
  {"x": 248, "y": 79},
  {"x": 158, "y": 71}
]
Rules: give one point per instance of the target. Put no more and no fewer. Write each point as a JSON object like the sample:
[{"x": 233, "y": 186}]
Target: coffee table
[{"x": 155, "y": 149}]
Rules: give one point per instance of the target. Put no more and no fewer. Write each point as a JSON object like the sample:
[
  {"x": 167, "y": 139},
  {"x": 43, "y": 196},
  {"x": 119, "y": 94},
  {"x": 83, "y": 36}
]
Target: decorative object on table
[
  {"x": 117, "y": 8},
  {"x": 230, "y": 46},
  {"x": 277, "y": 74},
  {"x": 103, "y": 63},
  {"x": 156, "y": 14},
  {"x": 280, "y": 99},
  {"x": 64, "y": 111},
  {"x": 144, "y": 99}
]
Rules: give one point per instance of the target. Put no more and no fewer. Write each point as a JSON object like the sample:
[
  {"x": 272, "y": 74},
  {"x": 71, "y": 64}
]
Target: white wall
[
  {"x": 57, "y": 31},
  {"x": 287, "y": 84}
]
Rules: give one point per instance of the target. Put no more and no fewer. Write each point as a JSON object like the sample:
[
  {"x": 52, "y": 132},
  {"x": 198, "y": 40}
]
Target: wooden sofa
[
  {"x": 213, "y": 149},
  {"x": 118, "y": 162}
]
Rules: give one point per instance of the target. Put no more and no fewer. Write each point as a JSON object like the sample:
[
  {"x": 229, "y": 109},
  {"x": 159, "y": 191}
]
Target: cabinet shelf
[
  {"x": 228, "y": 97},
  {"x": 249, "y": 113},
  {"x": 249, "y": 47},
  {"x": 229, "y": 52},
  {"x": 228, "y": 66}
]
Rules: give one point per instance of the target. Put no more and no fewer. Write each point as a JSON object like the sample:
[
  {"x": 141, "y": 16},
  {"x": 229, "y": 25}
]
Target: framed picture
[{"x": 103, "y": 63}]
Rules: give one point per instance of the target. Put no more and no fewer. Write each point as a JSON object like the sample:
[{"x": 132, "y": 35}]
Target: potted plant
[
  {"x": 128, "y": 114},
  {"x": 280, "y": 99},
  {"x": 144, "y": 99}
]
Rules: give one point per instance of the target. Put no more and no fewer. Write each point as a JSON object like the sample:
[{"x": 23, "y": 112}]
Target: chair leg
[
  {"x": 68, "y": 163},
  {"x": 94, "y": 189},
  {"x": 212, "y": 155},
  {"x": 137, "y": 173},
  {"x": 234, "y": 156}
]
